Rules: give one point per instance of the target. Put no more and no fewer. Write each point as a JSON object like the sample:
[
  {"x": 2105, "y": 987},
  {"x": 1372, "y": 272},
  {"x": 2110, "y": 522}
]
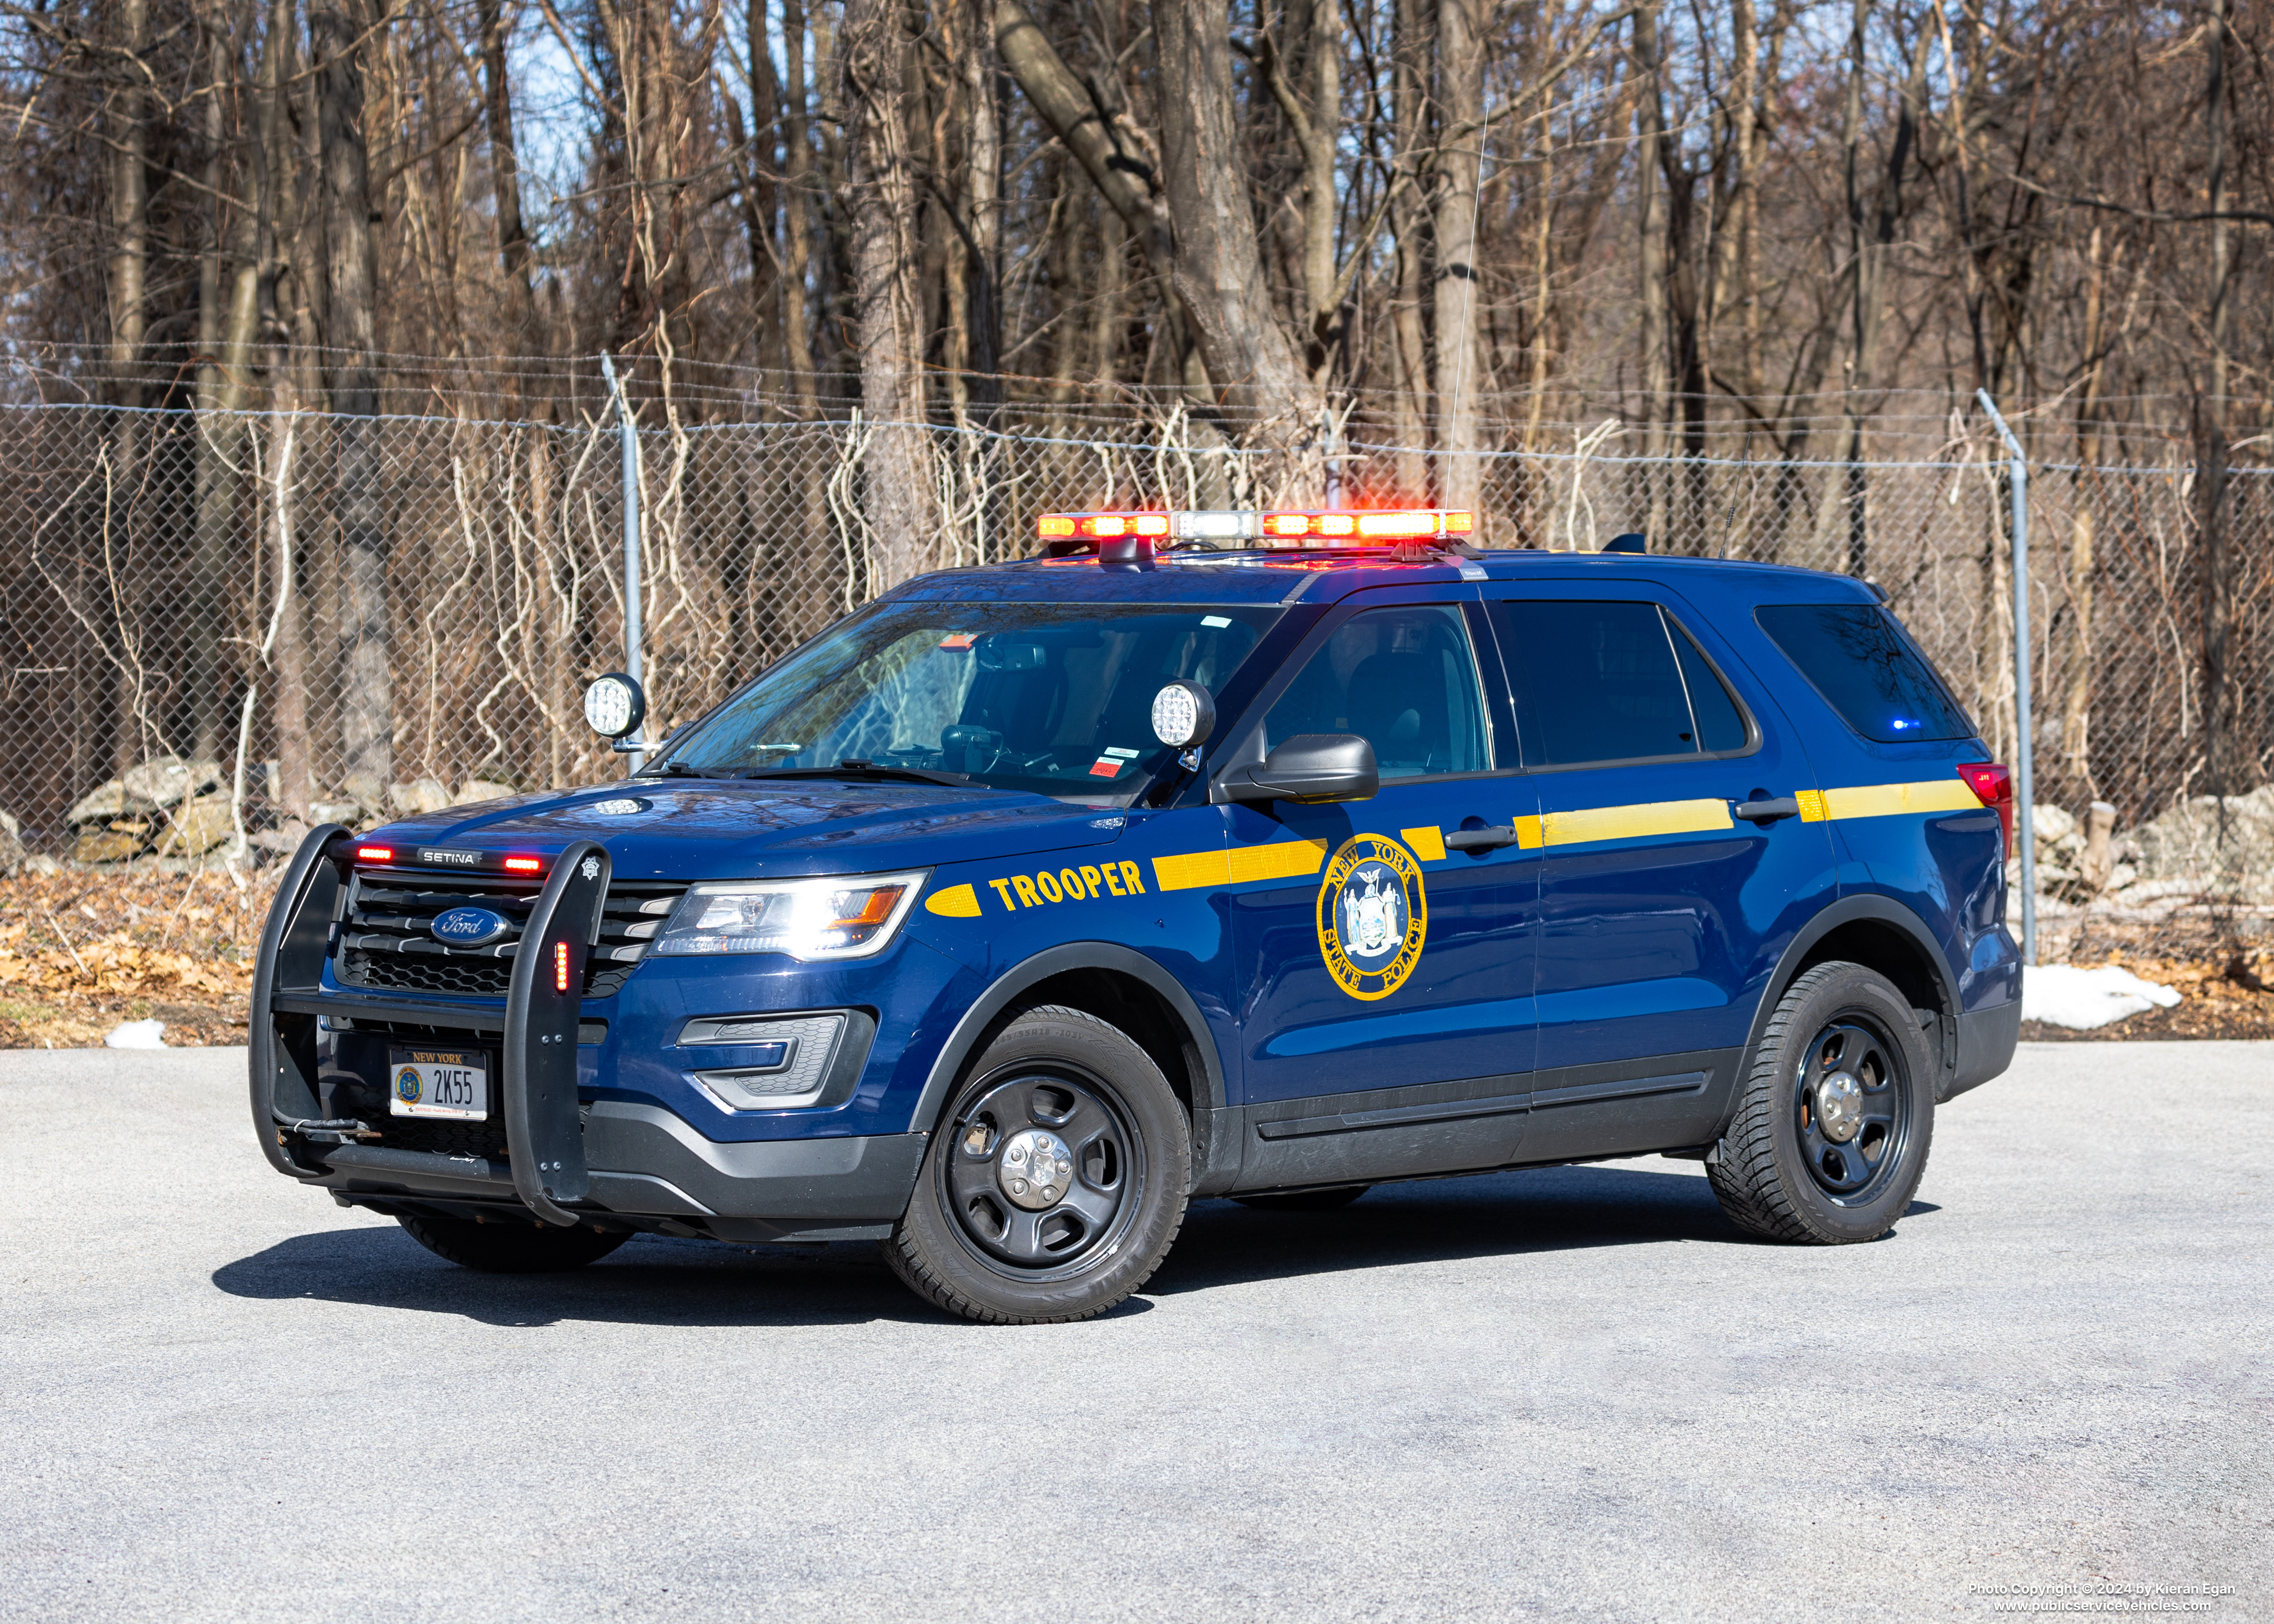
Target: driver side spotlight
[
  {"x": 614, "y": 705},
  {"x": 1184, "y": 715}
]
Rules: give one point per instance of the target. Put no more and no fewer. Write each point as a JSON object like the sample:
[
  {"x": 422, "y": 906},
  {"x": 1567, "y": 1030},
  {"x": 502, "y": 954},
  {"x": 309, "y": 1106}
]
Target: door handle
[
  {"x": 1479, "y": 840},
  {"x": 1762, "y": 811}
]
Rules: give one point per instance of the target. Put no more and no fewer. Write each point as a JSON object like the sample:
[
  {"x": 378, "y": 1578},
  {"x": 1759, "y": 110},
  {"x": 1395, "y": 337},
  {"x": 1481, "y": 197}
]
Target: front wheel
[
  {"x": 1830, "y": 1137},
  {"x": 1056, "y": 1180}
]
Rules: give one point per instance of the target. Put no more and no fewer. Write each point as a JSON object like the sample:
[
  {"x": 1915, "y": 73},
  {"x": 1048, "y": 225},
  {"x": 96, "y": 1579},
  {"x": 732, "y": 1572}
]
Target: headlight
[{"x": 831, "y": 918}]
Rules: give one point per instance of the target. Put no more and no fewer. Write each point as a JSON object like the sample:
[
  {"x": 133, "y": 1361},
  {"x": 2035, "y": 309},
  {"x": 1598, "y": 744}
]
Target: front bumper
[{"x": 615, "y": 1163}]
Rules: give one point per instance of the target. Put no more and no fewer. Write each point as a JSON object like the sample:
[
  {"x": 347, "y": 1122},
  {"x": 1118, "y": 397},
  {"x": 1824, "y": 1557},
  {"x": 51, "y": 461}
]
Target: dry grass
[{"x": 82, "y": 951}]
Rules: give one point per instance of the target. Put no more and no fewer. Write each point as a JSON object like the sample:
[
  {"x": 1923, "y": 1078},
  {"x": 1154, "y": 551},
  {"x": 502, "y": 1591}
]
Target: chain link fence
[{"x": 216, "y": 626}]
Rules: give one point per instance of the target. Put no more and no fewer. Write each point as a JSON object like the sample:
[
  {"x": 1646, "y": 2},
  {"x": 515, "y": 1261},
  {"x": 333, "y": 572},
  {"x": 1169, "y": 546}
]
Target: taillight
[{"x": 1993, "y": 786}]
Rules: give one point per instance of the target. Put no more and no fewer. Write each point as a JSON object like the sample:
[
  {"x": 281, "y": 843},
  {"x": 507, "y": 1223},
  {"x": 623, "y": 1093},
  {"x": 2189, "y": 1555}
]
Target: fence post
[
  {"x": 2025, "y": 745},
  {"x": 631, "y": 501}
]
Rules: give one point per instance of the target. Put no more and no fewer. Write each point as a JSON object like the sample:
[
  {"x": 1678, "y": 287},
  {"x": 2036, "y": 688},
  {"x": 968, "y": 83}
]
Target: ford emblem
[{"x": 468, "y": 926}]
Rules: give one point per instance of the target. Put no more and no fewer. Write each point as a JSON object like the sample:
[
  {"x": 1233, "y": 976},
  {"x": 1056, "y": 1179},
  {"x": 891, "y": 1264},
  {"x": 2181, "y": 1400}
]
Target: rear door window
[
  {"x": 1598, "y": 682},
  {"x": 1867, "y": 669}
]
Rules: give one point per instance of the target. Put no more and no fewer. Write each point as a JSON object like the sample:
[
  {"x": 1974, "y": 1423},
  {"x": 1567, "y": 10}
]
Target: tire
[
  {"x": 1306, "y": 1200},
  {"x": 1809, "y": 1157},
  {"x": 509, "y": 1248},
  {"x": 1064, "y": 1092}
]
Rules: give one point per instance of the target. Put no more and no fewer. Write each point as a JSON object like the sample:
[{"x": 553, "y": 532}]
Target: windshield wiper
[
  {"x": 680, "y": 770},
  {"x": 867, "y": 772}
]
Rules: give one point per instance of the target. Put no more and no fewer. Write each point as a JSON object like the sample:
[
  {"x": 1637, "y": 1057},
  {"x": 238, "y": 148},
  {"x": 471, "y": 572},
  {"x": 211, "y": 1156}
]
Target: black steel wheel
[
  {"x": 1056, "y": 1180},
  {"x": 1830, "y": 1136}
]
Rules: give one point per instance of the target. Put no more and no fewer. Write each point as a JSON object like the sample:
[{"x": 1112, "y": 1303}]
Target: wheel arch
[
  {"x": 1120, "y": 986},
  {"x": 1880, "y": 934}
]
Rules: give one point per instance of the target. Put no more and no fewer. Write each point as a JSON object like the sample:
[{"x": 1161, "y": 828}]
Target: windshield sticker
[
  {"x": 1115, "y": 749},
  {"x": 959, "y": 640},
  {"x": 1216, "y": 621},
  {"x": 1373, "y": 916},
  {"x": 1105, "y": 767},
  {"x": 1086, "y": 882}
]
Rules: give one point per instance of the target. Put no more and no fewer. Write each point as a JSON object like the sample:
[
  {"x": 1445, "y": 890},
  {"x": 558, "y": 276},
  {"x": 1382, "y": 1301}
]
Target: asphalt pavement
[{"x": 1574, "y": 1392}]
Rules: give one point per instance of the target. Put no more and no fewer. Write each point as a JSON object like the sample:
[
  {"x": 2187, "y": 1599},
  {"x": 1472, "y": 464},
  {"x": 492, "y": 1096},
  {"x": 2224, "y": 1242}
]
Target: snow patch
[
  {"x": 136, "y": 1034},
  {"x": 2081, "y": 997}
]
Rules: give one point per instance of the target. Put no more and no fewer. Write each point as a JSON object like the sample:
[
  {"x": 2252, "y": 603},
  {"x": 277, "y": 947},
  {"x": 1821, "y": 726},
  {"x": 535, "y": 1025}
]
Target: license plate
[{"x": 439, "y": 1082}]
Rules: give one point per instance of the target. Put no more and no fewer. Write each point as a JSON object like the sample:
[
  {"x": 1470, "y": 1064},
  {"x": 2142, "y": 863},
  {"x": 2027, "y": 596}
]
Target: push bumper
[{"x": 569, "y": 1163}]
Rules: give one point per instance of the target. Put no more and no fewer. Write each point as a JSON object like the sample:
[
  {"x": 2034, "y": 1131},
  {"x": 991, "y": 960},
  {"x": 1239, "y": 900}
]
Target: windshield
[{"x": 1055, "y": 698}]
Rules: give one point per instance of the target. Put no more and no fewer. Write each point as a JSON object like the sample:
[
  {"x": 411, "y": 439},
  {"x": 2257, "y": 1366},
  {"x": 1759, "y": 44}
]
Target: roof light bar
[{"x": 1332, "y": 529}]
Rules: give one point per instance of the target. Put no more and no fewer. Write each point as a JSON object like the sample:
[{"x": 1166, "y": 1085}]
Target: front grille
[{"x": 386, "y": 945}]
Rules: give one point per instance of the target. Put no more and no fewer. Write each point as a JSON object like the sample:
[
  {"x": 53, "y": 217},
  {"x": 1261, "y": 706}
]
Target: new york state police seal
[{"x": 1373, "y": 916}]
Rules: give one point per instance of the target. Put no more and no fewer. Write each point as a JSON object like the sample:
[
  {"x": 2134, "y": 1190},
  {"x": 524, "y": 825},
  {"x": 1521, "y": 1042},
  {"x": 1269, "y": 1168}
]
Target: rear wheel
[
  {"x": 508, "y": 1248},
  {"x": 1830, "y": 1137},
  {"x": 1306, "y": 1200},
  {"x": 1056, "y": 1180}
]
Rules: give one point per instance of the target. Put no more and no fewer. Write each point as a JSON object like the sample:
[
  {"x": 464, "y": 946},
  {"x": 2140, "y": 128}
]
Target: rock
[
  {"x": 112, "y": 801},
  {"x": 365, "y": 791},
  {"x": 104, "y": 845},
  {"x": 285, "y": 839},
  {"x": 168, "y": 780},
  {"x": 11, "y": 844},
  {"x": 419, "y": 796},
  {"x": 137, "y": 1034},
  {"x": 40, "y": 863},
  {"x": 2051, "y": 823},
  {"x": 482, "y": 789},
  {"x": 199, "y": 826},
  {"x": 2188, "y": 843},
  {"x": 2095, "y": 862},
  {"x": 348, "y": 812}
]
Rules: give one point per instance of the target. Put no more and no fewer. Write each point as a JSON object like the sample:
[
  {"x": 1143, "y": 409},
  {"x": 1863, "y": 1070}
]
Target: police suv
[{"x": 1263, "y": 855}]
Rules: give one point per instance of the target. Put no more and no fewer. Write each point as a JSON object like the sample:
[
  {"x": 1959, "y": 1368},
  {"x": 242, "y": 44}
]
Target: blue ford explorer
[{"x": 1032, "y": 902}]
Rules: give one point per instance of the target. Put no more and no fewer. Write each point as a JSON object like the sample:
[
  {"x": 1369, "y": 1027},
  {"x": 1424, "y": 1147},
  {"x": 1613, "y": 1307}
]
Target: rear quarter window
[{"x": 1867, "y": 669}]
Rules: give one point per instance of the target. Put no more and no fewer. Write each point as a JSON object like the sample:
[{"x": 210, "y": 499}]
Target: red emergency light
[
  {"x": 1333, "y": 529},
  {"x": 1100, "y": 526},
  {"x": 524, "y": 865},
  {"x": 375, "y": 854}
]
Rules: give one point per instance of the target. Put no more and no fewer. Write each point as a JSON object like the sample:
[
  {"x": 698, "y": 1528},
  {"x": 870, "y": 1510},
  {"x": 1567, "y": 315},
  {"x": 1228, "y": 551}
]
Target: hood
[{"x": 703, "y": 829}]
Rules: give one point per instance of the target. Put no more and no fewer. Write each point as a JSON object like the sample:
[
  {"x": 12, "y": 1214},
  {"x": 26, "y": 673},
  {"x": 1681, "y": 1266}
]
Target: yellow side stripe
[
  {"x": 1637, "y": 823},
  {"x": 1283, "y": 859},
  {"x": 1949, "y": 794},
  {"x": 1428, "y": 845},
  {"x": 1290, "y": 860}
]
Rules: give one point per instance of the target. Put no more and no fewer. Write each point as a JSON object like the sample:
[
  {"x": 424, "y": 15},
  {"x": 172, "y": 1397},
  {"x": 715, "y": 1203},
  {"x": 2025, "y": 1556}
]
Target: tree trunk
[
  {"x": 1257, "y": 373},
  {"x": 515, "y": 255},
  {"x": 1409, "y": 54},
  {"x": 2222, "y": 760},
  {"x": 797, "y": 219},
  {"x": 226, "y": 306},
  {"x": 1650, "y": 124},
  {"x": 351, "y": 278},
  {"x": 289, "y": 643},
  {"x": 898, "y": 498},
  {"x": 129, "y": 272},
  {"x": 1461, "y": 82}
]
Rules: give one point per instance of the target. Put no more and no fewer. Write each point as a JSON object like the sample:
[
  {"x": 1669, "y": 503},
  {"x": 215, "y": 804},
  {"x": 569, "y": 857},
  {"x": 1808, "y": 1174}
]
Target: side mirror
[
  {"x": 1310, "y": 768},
  {"x": 1184, "y": 715},
  {"x": 614, "y": 705}
]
